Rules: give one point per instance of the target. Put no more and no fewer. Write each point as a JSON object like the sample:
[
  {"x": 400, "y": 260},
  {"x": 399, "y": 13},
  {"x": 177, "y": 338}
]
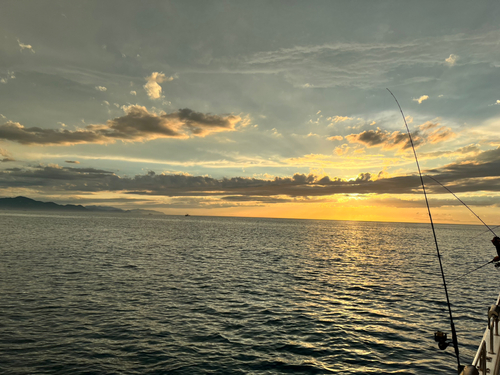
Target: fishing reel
[{"x": 442, "y": 339}]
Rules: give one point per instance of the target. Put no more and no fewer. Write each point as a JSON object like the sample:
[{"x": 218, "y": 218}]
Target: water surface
[{"x": 113, "y": 293}]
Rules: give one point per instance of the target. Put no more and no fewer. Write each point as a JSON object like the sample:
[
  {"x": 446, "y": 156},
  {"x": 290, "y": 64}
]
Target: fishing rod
[
  {"x": 470, "y": 209},
  {"x": 468, "y": 273},
  {"x": 461, "y": 201},
  {"x": 438, "y": 336}
]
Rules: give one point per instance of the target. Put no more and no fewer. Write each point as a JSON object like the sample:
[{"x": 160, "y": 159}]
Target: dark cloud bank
[{"x": 481, "y": 174}]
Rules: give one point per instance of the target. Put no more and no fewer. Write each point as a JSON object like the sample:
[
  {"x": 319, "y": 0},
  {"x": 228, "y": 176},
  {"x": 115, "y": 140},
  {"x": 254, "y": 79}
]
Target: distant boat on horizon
[{"x": 187, "y": 215}]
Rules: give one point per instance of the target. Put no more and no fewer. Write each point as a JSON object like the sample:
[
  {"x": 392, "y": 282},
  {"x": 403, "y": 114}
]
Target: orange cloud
[
  {"x": 435, "y": 133},
  {"x": 421, "y": 99},
  {"x": 337, "y": 119},
  {"x": 344, "y": 149},
  {"x": 335, "y": 138}
]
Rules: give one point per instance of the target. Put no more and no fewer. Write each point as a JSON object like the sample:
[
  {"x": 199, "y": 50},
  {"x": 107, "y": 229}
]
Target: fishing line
[
  {"x": 461, "y": 201},
  {"x": 480, "y": 234},
  {"x": 468, "y": 273},
  {"x": 452, "y": 325}
]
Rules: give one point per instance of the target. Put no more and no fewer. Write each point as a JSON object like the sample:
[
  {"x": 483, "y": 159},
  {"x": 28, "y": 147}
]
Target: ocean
[{"x": 119, "y": 294}]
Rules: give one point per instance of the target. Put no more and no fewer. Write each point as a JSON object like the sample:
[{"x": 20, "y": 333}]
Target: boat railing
[
  {"x": 493, "y": 313},
  {"x": 489, "y": 344},
  {"x": 482, "y": 358}
]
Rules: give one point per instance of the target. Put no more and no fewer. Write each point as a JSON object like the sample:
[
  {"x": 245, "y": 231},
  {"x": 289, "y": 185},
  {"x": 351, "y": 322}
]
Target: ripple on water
[{"x": 231, "y": 296}]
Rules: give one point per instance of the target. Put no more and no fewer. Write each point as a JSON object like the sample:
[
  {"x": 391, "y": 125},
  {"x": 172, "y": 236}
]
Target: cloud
[
  {"x": 477, "y": 173},
  {"x": 337, "y": 119},
  {"x": 25, "y": 46},
  {"x": 6, "y": 156},
  {"x": 267, "y": 200},
  {"x": 472, "y": 149},
  {"x": 138, "y": 124},
  {"x": 152, "y": 87},
  {"x": 335, "y": 138},
  {"x": 14, "y": 131},
  {"x": 276, "y": 133},
  {"x": 69, "y": 180},
  {"x": 421, "y": 99},
  {"x": 101, "y": 88},
  {"x": 451, "y": 60},
  {"x": 436, "y": 133},
  {"x": 429, "y": 132},
  {"x": 10, "y": 75},
  {"x": 366, "y": 65},
  {"x": 384, "y": 139},
  {"x": 343, "y": 150},
  {"x": 72, "y": 161}
]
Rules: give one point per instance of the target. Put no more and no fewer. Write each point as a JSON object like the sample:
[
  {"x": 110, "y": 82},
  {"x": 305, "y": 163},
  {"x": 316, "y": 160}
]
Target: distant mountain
[
  {"x": 28, "y": 204},
  {"x": 23, "y": 203}
]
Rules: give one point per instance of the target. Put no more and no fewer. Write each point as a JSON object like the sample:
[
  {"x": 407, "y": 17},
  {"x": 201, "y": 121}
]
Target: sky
[{"x": 253, "y": 108}]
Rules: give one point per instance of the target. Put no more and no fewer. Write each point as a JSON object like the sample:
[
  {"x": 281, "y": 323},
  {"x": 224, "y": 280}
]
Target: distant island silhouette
[{"x": 28, "y": 204}]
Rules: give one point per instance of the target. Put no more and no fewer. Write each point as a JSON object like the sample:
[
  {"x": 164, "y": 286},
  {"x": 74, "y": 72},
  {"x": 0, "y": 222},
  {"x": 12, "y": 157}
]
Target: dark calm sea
[{"x": 119, "y": 294}]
